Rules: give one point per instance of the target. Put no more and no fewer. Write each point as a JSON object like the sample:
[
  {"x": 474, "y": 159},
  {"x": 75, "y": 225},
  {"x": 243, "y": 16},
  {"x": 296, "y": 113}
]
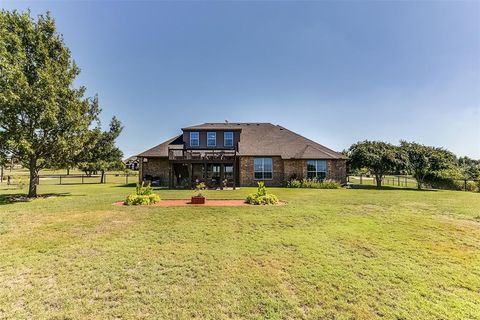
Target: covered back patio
[{"x": 217, "y": 169}]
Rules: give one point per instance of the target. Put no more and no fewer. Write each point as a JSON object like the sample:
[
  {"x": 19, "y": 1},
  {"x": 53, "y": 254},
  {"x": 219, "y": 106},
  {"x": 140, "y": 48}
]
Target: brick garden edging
[{"x": 212, "y": 203}]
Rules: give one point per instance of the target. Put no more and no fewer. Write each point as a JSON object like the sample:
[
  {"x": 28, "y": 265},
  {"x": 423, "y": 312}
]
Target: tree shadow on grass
[
  {"x": 126, "y": 185},
  {"x": 22, "y": 197},
  {"x": 388, "y": 188}
]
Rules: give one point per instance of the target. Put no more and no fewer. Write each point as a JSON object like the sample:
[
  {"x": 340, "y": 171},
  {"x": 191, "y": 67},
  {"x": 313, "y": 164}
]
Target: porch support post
[
  {"x": 190, "y": 172},
  {"x": 222, "y": 174},
  {"x": 170, "y": 176},
  {"x": 205, "y": 172},
  {"x": 234, "y": 169}
]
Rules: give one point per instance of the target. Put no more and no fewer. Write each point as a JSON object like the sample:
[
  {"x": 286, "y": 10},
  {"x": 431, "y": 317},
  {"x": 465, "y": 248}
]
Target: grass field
[{"x": 327, "y": 254}]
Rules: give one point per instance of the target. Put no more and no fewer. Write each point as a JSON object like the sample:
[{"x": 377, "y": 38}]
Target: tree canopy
[
  {"x": 378, "y": 157},
  {"x": 44, "y": 119},
  {"x": 426, "y": 161},
  {"x": 100, "y": 152}
]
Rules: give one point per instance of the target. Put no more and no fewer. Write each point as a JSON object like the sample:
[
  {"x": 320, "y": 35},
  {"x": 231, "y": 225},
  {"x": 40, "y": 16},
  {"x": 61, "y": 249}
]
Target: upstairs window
[
  {"x": 262, "y": 168},
  {"x": 316, "y": 169},
  {"x": 228, "y": 139},
  {"x": 211, "y": 139},
  {"x": 194, "y": 139}
]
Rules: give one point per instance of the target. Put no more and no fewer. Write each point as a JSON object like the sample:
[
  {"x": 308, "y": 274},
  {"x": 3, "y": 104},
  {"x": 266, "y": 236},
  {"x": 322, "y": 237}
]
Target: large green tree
[
  {"x": 426, "y": 161},
  {"x": 100, "y": 152},
  {"x": 380, "y": 158},
  {"x": 43, "y": 115}
]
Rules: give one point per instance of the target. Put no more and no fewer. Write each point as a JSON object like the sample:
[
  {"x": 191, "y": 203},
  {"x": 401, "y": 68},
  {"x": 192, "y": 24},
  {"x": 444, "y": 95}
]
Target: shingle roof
[
  {"x": 160, "y": 150},
  {"x": 261, "y": 139},
  {"x": 131, "y": 158}
]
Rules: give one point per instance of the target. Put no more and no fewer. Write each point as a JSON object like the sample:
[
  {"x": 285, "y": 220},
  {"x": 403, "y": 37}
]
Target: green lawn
[{"x": 327, "y": 254}]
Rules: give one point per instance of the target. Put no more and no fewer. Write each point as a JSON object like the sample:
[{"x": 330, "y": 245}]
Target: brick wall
[
  {"x": 285, "y": 169},
  {"x": 337, "y": 170},
  {"x": 155, "y": 167},
  {"x": 295, "y": 168},
  {"x": 246, "y": 172}
]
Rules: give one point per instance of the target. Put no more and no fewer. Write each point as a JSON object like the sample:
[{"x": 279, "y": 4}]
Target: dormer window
[
  {"x": 194, "y": 139},
  {"x": 211, "y": 139},
  {"x": 228, "y": 139}
]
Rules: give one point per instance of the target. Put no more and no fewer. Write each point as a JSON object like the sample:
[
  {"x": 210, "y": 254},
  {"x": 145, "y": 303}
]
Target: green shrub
[
  {"x": 330, "y": 184},
  {"x": 261, "y": 197},
  {"x": 142, "y": 189},
  {"x": 313, "y": 184},
  {"x": 472, "y": 186},
  {"x": 294, "y": 183},
  {"x": 200, "y": 186},
  {"x": 154, "y": 198},
  {"x": 143, "y": 196},
  {"x": 261, "y": 190}
]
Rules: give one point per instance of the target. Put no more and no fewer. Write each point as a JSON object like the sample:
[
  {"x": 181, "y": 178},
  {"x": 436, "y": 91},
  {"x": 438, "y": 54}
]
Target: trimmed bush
[{"x": 261, "y": 197}]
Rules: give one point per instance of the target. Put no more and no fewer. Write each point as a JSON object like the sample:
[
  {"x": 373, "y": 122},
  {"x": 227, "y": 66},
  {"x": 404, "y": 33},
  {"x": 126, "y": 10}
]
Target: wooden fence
[
  {"x": 57, "y": 179},
  {"x": 400, "y": 181}
]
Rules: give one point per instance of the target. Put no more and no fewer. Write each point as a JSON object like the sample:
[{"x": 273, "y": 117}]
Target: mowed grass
[{"x": 327, "y": 254}]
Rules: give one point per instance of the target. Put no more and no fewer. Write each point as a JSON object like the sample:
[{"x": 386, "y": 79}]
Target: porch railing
[{"x": 201, "y": 155}]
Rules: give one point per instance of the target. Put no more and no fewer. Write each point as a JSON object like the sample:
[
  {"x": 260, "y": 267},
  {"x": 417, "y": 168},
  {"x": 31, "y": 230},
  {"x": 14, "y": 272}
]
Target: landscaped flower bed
[
  {"x": 143, "y": 196},
  {"x": 261, "y": 196}
]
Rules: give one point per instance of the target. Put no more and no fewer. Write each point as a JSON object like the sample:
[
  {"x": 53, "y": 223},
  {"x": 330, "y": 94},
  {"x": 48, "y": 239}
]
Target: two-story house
[{"x": 239, "y": 154}]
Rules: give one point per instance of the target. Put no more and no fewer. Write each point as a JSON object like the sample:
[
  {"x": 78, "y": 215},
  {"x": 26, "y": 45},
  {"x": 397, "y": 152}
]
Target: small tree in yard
[
  {"x": 470, "y": 168},
  {"x": 378, "y": 157},
  {"x": 425, "y": 161},
  {"x": 100, "y": 152},
  {"x": 44, "y": 119}
]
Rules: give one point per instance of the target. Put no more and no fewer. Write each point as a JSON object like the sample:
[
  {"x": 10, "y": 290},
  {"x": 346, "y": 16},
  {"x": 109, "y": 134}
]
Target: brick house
[{"x": 238, "y": 154}]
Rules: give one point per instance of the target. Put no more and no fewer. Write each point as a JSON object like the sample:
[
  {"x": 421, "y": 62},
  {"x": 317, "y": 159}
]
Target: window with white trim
[
  {"x": 316, "y": 169},
  {"x": 262, "y": 168},
  {"x": 194, "y": 139},
  {"x": 211, "y": 139},
  {"x": 228, "y": 139}
]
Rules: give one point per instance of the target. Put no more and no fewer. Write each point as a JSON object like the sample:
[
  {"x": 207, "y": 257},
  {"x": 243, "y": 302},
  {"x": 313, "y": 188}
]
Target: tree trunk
[
  {"x": 378, "y": 178},
  {"x": 1, "y": 174},
  {"x": 102, "y": 177},
  {"x": 32, "y": 188},
  {"x": 68, "y": 171}
]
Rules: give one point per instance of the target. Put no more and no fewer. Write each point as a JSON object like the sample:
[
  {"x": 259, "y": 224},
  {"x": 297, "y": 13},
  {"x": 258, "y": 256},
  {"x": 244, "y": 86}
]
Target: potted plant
[{"x": 199, "y": 198}]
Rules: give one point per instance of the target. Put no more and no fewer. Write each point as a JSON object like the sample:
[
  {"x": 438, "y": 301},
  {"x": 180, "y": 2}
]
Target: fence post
[{"x": 82, "y": 178}]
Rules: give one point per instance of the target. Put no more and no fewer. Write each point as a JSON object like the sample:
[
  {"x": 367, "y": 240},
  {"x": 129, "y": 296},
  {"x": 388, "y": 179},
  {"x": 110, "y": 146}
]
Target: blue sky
[{"x": 336, "y": 72}]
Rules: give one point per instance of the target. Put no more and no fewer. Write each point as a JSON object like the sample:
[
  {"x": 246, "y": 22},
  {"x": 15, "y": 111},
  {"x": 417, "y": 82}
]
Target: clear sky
[{"x": 336, "y": 72}]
